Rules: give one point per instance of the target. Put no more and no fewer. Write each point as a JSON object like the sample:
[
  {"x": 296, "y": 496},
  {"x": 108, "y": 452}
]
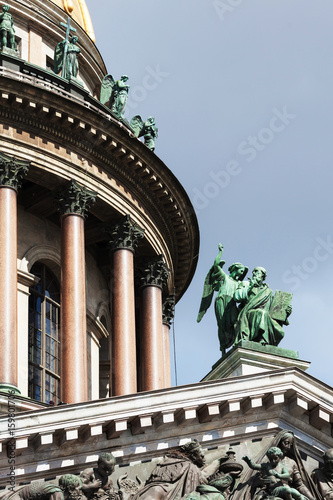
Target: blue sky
[{"x": 242, "y": 95}]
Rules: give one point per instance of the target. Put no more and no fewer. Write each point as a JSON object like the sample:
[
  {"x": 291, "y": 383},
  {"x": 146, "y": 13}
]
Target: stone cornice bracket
[
  {"x": 75, "y": 199},
  {"x": 168, "y": 310},
  {"x": 154, "y": 271},
  {"x": 12, "y": 171},
  {"x": 125, "y": 234}
]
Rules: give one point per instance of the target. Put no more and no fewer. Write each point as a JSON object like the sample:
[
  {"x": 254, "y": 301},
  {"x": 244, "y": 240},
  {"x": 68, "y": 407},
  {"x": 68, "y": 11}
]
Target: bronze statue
[
  {"x": 147, "y": 129},
  {"x": 66, "y": 58},
  {"x": 69, "y": 489},
  {"x": 255, "y": 320},
  {"x": 178, "y": 474},
  {"x": 114, "y": 94},
  {"x": 274, "y": 476},
  {"x": 252, "y": 487},
  {"x": 323, "y": 477},
  {"x": 7, "y": 28},
  {"x": 96, "y": 481},
  {"x": 225, "y": 306}
]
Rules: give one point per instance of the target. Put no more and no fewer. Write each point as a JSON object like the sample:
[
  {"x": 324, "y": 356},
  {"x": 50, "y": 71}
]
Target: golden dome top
[{"x": 77, "y": 9}]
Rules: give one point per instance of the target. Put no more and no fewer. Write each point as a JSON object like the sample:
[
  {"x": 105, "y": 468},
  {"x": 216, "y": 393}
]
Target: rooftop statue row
[
  {"x": 244, "y": 310},
  {"x": 114, "y": 94},
  {"x": 7, "y": 29},
  {"x": 278, "y": 473}
]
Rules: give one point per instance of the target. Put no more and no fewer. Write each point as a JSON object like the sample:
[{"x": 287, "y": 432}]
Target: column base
[{"x": 10, "y": 389}]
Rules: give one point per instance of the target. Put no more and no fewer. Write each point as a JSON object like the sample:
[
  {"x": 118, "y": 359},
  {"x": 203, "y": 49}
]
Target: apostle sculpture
[{"x": 244, "y": 310}]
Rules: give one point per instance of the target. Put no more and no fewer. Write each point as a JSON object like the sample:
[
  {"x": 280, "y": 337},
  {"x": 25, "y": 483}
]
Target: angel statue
[
  {"x": 146, "y": 129},
  {"x": 66, "y": 58},
  {"x": 225, "y": 306},
  {"x": 114, "y": 94}
]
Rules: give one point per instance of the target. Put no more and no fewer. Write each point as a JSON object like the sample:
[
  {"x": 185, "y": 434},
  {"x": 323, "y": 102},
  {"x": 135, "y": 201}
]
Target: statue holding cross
[{"x": 66, "y": 54}]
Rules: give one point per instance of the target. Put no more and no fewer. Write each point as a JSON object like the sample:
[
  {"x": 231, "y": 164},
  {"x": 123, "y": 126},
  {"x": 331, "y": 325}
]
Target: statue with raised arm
[
  {"x": 147, "y": 129},
  {"x": 217, "y": 280},
  {"x": 7, "y": 29},
  {"x": 323, "y": 477},
  {"x": 66, "y": 58},
  {"x": 114, "y": 94},
  {"x": 261, "y": 315}
]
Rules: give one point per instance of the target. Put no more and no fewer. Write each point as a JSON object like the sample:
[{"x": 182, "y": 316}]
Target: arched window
[{"x": 44, "y": 336}]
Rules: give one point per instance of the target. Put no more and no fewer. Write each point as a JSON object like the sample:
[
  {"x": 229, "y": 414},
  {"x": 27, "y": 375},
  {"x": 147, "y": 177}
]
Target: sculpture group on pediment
[
  {"x": 245, "y": 310},
  {"x": 277, "y": 473}
]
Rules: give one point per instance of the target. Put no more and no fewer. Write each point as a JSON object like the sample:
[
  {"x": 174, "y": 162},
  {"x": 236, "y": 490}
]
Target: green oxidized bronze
[
  {"x": 66, "y": 54},
  {"x": 75, "y": 199},
  {"x": 244, "y": 310},
  {"x": 12, "y": 171},
  {"x": 7, "y": 29},
  {"x": 114, "y": 94},
  {"x": 147, "y": 130}
]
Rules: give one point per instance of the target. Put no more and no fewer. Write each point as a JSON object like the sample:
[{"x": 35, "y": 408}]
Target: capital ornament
[
  {"x": 168, "y": 310},
  {"x": 75, "y": 199},
  {"x": 154, "y": 271},
  {"x": 125, "y": 234},
  {"x": 12, "y": 171}
]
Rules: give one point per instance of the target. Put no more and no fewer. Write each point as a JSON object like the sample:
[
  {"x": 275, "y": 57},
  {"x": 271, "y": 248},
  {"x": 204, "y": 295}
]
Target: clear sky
[{"x": 241, "y": 91}]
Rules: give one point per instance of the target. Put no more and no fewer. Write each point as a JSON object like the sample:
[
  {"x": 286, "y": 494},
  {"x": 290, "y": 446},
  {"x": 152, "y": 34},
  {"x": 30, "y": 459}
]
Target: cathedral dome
[{"x": 78, "y": 10}]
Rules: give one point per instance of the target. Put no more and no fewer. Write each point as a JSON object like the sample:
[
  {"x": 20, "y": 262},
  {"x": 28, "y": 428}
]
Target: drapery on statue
[
  {"x": 66, "y": 58},
  {"x": 225, "y": 306},
  {"x": 147, "y": 129},
  {"x": 251, "y": 486},
  {"x": 261, "y": 316},
  {"x": 7, "y": 28},
  {"x": 274, "y": 476},
  {"x": 178, "y": 474},
  {"x": 323, "y": 477},
  {"x": 96, "y": 481},
  {"x": 69, "y": 489},
  {"x": 114, "y": 94}
]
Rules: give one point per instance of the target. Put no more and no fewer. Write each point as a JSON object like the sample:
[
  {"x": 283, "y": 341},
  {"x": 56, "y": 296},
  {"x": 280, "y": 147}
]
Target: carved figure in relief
[
  {"x": 274, "y": 475},
  {"x": 96, "y": 481},
  {"x": 69, "y": 489},
  {"x": 323, "y": 477},
  {"x": 7, "y": 28},
  {"x": 178, "y": 474},
  {"x": 114, "y": 94},
  {"x": 146, "y": 129},
  {"x": 226, "y": 312},
  {"x": 251, "y": 487}
]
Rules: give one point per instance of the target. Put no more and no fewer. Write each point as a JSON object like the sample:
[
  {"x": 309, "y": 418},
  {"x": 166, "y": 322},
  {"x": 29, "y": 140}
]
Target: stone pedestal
[{"x": 249, "y": 358}]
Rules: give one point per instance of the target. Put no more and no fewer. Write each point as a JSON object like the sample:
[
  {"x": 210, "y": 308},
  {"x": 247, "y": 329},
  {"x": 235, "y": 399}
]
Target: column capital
[
  {"x": 125, "y": 234},
  {"x": 168, "y": 310},
  {"x": 153, "y": 271},
  {"x": 12, "y": 171},
  {"x": 75, "y": 199}
]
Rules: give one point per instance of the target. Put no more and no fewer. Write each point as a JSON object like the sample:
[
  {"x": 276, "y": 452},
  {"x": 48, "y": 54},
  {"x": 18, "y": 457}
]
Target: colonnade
[{"x": 74, "y": 203}]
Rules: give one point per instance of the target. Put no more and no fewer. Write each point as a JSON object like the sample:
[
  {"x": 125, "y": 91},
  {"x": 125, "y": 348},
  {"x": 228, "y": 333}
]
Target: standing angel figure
[
  {"x": 225, "y": 306},
  {"x": 147, "y": 129},
  {"x": 114, "y": 94}
]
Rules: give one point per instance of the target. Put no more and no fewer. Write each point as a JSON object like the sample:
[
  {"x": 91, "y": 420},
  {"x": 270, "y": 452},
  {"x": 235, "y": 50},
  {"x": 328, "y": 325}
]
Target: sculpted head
[
  {"x": 274, "y": 455},
  {"x": 71, "y": 486},
  {"x": 5, "y": 8},
  {"x": 286, "y": 442},
  {"x": 259, "y": 273},
  {"x": 194, "y": 452},
  {"x": 106, "y": 463},
  {"x": 328, "y": 462},
  {"x": 238, "y": 271}
]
